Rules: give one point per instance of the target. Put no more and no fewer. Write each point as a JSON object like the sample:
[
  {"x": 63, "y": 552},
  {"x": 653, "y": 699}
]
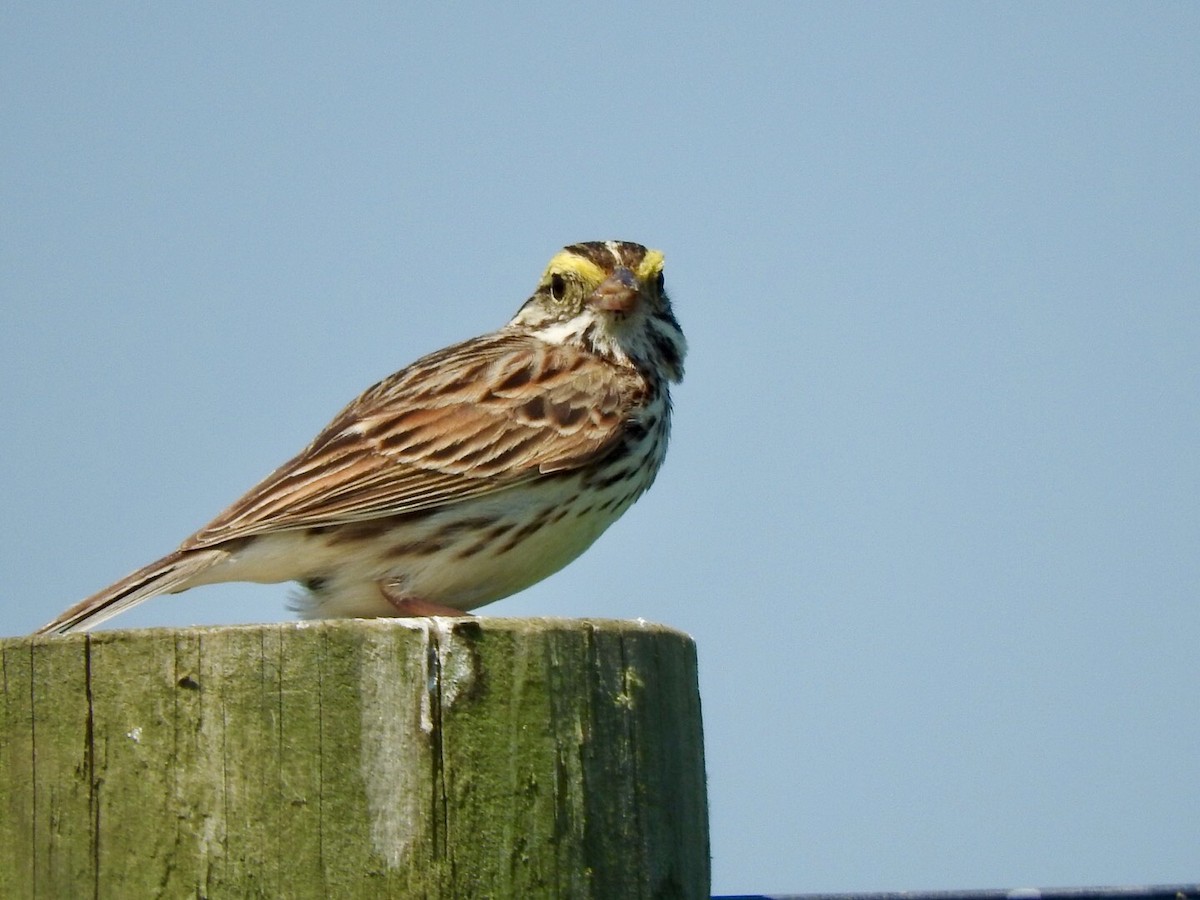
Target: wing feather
[{"x": 475, "y": 418}]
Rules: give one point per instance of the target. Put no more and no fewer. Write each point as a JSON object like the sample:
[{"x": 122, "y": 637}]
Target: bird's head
[{"x": 609, "y": 297}]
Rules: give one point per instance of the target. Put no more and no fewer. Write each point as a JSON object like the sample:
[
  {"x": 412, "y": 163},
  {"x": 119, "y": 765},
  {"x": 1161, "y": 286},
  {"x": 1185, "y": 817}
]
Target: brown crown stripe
[{"x": 628, "y": 254}]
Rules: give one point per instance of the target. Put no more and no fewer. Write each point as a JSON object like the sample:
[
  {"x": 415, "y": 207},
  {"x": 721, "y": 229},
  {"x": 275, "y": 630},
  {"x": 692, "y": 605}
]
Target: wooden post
[{"x": 353, "y": 759}]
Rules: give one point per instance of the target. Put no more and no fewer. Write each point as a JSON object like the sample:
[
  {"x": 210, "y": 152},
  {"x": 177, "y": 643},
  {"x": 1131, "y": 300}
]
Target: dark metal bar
[{"x": 1127, "y": 892}]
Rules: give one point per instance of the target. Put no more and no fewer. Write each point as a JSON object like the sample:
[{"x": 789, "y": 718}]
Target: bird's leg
[{"x": 412, "y": 606}]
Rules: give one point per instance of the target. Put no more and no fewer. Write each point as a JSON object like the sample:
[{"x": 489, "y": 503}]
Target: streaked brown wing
[{"x": 474, "y": 418}]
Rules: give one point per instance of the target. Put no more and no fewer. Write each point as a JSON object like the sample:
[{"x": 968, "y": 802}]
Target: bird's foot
[{"x": 406, "y": 606}]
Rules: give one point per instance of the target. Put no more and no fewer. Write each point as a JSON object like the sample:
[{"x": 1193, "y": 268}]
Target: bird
[{"x": 467, "y": 476}]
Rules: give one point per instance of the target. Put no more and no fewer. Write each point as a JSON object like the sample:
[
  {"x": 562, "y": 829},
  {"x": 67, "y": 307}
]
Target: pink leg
[{"x": 411, "y": 606}]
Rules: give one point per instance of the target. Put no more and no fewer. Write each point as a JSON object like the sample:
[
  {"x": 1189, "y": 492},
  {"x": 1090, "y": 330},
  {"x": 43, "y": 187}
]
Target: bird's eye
[
  {"x": 659, "y": 283},
  {"x": 558, "y": 287}
]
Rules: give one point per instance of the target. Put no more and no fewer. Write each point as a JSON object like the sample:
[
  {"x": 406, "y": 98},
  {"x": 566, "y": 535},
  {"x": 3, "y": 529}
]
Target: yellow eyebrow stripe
[
  {"x": 564, "y": 262},
  {"x": 650, "y": 266}
]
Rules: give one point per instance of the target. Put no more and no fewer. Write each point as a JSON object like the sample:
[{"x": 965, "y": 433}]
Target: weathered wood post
[{"x": 353, "y": 759}]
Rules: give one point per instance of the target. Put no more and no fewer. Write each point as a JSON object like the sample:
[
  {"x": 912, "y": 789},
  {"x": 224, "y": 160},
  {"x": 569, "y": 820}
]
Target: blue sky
[{"x": 932, "y": 505}]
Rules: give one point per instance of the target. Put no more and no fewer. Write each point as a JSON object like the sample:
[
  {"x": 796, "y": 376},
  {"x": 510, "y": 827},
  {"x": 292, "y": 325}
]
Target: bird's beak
[{"x": 618, "y": 292}]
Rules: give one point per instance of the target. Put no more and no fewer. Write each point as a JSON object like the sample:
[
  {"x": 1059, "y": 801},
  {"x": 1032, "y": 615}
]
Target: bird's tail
[{"x": 171, "y": 573}]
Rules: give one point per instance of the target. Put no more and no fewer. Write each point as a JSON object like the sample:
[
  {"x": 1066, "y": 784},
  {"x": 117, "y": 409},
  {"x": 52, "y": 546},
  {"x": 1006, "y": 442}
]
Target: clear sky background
[{"x": 932, "y": 505}]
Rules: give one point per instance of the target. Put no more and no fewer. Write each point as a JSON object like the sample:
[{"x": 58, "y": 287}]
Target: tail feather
[{"x": 171, "y": 573}]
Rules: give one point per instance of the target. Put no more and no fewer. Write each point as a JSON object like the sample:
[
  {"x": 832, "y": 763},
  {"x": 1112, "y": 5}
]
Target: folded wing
[{"x": 475, "y": 418}]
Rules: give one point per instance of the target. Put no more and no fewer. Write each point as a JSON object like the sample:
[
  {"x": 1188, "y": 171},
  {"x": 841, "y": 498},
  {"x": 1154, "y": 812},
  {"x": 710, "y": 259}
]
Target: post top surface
[{"x": 443, "y": 624}]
